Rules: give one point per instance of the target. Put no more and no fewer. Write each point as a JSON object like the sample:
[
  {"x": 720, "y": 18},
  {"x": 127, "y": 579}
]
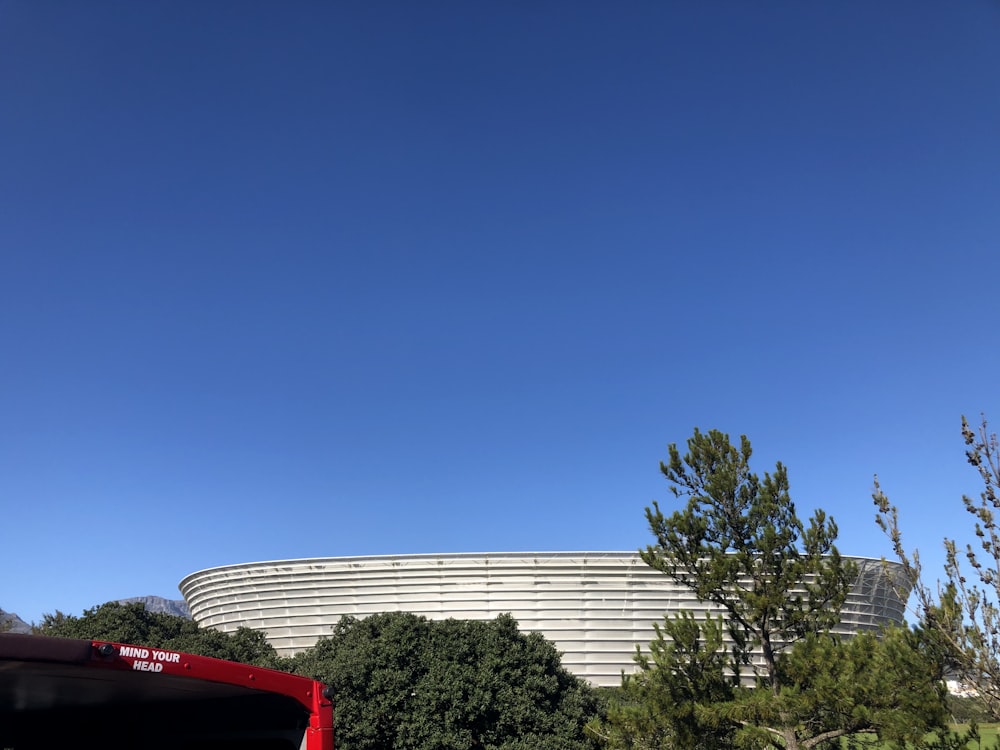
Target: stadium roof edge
[{"x": 449, "y": 555}]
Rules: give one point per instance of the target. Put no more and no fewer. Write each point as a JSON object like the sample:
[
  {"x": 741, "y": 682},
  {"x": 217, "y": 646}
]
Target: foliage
[
  {"x": 965, "y": 709},
  {"x": 739, "y": 545},
  {"x": 888, "y": 684},
  {"x": 133, "y": 623},
  {"x": 963, "y": 610},
  {"x": 663, "y": 704},
  {"x": 403, "y": 681}
]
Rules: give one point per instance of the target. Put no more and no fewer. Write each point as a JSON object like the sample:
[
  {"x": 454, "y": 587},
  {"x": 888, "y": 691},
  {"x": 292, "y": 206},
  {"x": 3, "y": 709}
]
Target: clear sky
[{"x": 296, "y": 279}]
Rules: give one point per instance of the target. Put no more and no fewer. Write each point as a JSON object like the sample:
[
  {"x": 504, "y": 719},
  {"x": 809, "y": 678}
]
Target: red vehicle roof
[{"x": 57, "y": 690}]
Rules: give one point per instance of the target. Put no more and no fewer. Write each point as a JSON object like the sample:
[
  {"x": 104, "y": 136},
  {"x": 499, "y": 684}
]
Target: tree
[
  {"x": 963, "y": 609},
  {"x": 133, "y": 623},
  {"x": 889, "y": 684},
  {"x": 663, "y": 703},
  {"x": 403, "y": 681},
  {"x": 876, "y": 689},
  {"x": 739, "y": 545}
]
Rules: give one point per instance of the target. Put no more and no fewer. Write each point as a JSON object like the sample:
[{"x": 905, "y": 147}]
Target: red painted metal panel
[{"x": 40, "y": 673}]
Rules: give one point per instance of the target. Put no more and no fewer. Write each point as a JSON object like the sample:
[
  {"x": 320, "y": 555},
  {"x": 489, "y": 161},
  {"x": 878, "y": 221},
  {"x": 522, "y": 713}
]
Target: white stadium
[{"x": 595, "y": 606}]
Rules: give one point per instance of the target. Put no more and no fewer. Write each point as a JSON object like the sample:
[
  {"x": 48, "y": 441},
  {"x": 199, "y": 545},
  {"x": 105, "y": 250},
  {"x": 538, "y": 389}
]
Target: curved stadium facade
[{"x": 595, "y": 606}]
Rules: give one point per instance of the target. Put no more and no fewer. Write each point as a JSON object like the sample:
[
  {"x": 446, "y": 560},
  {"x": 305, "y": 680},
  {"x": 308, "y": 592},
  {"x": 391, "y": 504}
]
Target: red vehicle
[{"x": 67, "y": 693}]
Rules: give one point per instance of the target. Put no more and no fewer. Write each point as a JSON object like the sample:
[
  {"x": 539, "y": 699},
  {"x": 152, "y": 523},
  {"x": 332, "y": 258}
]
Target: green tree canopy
[
  {"x": 666, "y": 702},
  {"x": 885, "y": 683},
  {"x": 876, "y": 689},
  {"x": 739, "y": 544},
  {"x": 964, "y": 608},
  {"x": 403, "y": 681},
  {"x": 133, "y": 623}
]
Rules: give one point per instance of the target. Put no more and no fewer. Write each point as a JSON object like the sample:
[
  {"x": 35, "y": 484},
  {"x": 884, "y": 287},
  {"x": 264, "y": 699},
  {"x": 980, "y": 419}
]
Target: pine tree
[{"x": 740, "y": 546}]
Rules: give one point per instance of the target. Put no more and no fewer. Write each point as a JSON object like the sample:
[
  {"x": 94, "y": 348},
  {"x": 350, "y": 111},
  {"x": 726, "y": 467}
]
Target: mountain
[
  {"x": 11, "y": 623},
  {"x": 177, "y": 607}
]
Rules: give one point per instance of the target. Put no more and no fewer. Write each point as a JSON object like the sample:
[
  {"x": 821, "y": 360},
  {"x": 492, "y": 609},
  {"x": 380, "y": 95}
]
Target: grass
[{"x": 987, "y": 734}]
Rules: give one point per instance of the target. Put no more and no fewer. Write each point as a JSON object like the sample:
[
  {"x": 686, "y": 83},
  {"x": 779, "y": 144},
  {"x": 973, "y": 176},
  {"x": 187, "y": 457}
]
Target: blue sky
[{"x": 284, "y": 280}]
